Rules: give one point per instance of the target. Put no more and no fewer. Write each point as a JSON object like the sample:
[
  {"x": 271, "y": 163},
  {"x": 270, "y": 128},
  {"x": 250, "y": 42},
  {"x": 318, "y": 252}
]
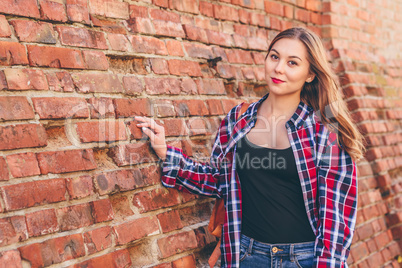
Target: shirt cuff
[
  {"x": 327, "y": 262},
  {"x": 171, "y": 166}
]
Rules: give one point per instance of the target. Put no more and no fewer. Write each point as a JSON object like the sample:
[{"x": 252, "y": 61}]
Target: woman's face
[{"x": 287, "y": 68}]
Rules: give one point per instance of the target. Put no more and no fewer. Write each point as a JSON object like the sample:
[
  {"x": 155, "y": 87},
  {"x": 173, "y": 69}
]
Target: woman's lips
[{"x": 277, "y": 81}]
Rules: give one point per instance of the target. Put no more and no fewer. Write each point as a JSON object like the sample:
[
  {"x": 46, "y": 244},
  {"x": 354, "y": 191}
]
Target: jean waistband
[{"x": 277, "y": 249}]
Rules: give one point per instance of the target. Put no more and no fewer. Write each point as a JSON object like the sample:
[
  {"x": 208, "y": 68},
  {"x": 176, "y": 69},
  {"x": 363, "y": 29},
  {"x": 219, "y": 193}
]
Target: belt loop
[
  {"x": 250, "y": 246},
  {"x": 291, "y": 252}
]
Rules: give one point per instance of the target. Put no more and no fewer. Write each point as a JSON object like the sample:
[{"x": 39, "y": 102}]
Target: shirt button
[{"x": 274, "y": 249}]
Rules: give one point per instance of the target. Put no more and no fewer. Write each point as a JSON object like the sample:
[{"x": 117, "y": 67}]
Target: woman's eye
[
  {"x": 292, "y": 62},
  {"x": 274, "y": 57}
]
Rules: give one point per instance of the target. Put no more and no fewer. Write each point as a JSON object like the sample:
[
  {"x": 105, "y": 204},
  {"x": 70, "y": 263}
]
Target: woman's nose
[{"x": 279, "y": 67}]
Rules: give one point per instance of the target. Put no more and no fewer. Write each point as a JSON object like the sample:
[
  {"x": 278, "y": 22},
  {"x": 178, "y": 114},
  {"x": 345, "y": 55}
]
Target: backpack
[{"x": 218, "y": 215}]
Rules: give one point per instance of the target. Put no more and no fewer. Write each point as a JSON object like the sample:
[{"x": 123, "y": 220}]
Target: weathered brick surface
[{"x": 78, "y": 180}]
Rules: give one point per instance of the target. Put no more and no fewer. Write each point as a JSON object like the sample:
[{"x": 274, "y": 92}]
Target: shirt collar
[{"x": 298, "y": 118}]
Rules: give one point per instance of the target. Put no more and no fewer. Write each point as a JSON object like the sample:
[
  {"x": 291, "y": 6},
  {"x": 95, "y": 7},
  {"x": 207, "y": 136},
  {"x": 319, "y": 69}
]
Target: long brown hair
[{"x": 329, "y": 105}]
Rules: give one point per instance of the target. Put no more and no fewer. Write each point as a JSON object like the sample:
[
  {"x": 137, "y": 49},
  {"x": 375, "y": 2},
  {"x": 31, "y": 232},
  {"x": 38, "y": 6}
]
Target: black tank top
[{"x": 272, "y": 200}]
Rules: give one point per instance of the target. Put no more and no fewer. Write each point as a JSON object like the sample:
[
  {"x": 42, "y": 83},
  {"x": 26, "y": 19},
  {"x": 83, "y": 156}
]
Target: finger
[{"x": 149, "y": 133}]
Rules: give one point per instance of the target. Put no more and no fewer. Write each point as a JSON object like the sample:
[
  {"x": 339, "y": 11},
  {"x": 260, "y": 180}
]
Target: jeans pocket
[
  {"x": 243, "y": 252},
  {"x": 304, "y": 260}
]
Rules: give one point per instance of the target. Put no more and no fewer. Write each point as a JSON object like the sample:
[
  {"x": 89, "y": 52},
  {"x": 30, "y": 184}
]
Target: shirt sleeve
[
  {"x": 337, "y": 198},
  {"x": 179, "y": 171}
]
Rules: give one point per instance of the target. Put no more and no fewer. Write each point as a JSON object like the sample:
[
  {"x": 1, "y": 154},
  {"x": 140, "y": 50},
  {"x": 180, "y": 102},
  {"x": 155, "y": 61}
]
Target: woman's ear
[{"x": 310, "y": 78}]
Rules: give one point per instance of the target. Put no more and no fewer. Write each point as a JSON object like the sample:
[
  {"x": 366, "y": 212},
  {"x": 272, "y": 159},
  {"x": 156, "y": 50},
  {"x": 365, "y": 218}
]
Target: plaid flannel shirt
[{"x": 326, "y": 171}]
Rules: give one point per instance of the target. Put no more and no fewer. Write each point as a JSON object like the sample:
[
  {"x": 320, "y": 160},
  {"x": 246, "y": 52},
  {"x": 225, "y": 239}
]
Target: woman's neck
[{"x": 280, "y": 106}]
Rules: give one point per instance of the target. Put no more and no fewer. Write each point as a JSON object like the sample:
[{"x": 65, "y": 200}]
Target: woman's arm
[
  {"x": 180, "y": 171},
  {"x": 337, "y": 198}
]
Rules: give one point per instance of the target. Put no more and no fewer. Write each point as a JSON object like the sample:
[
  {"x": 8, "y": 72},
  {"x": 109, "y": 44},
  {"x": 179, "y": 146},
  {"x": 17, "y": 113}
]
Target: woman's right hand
[{"x": 156, "y": 134}]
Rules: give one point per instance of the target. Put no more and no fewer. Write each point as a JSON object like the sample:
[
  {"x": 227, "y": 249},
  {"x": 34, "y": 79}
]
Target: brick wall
[{"x": 79, "y": 184}]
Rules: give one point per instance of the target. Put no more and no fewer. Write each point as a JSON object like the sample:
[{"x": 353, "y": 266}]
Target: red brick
[
  {"x": 22, "y": 136},
  {"x": 132, "y": 107},
  {"x": 155, "y": 199},
  {"x": 159, "y": 66},
  {"x": 42, "y": 222},
  {"x": 50, "y": 10},
  {"x": 3, "y": 170},
  {"x": 168, "y": 28},
  {"x": 149, "y": 45},
  {"x": 170, "y": 221},
  {"x": 81, "y": 37},
  {"x": 138, "y": 11},
  {"x": 132, "y": 85},
  {"x": 195, "y": 33},
  {"x": 98, "y": 239},
  {"x": 184, "y": 67},
  {"x": 163, "y": 108},
  {"x": 159, "y": 14},
  {"x": 274, "y": 8},
  {"x": 26, "y": 8},
  {"x": 191, "y": 108},
  {"x": 35, "y": 32},
  {"x": 215, "y": 107},
  {"x": 136, "y": 229},
  {"x": 55, "y": 57},
  {"x": 198, "y": 50},
  {"x": 110, "y": 9},
  {"x": 239, "y": 56},
  {"x": 13, "y": 230},
  {"x": 198, "y": 126},
  {"x": 180, "y": 242},
  {"x": 12, "y": 53},
  {"x": 314, "y": 5},
  {"x": 25, "y": 79},
  {"x": 77, "y": 10},
  {"x": 101, "y": 131},
  {"x": 15, "y": 108},
  {"x": 23, "y": 165},
  {"x": 302, "y": 15},
  {"x": 34, "y": 193},
  {"x": 257, "y": 43},
  {"x": 226, "y": 13},
  {"x": 132, "y": 154},
  {"x": 4, "y": 27},
  {"x": 118, "y": 42},
  {"x": 174, "y": 127},
  {"x": 229, "y": 104},
  {"x": 156, "y": 86},
  {"x": 3, "y": 82},
  {"x": 118, "y": 259},
  {"x": 206, "y": 9},
  {"x": 140, "y": 25},
  {"x": 80, "y": 187},
  {"x": 174, "y": 48},
  {"x": 66, "y": 161},
  {"x": 60, "y": 108},
  {"x": 102, "y": 210},
  {"x": 74, "y": 217},
  {"x": 185, "y": 262},
  {"x": 101, "y": 107},
  {"x": 208, "y": 87},
  {"x": 121, "y": 207},
  {"x": 110, "y": 26},
  {"x": 53, "y": 251},
  {"x": 184, "y": 5},
  {"x": 119, "y": 180},
  {"x": 219, "y": 38},
  {"x": 135, "y": 132},
  {"x": 60, "y": 81},
  {"x": 95, "y": 60},
  {"x": 188, "y": 86},
  {"x": 10, "y": 258},
  {"x": 259, "y": 19}
]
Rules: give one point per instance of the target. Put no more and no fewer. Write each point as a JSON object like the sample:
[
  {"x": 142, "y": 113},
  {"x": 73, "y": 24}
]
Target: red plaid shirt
[{"x": 326, "y": 171}]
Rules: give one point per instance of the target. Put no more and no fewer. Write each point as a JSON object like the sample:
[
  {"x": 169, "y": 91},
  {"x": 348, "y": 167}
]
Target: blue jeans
[{"x": 256, "y": 254}]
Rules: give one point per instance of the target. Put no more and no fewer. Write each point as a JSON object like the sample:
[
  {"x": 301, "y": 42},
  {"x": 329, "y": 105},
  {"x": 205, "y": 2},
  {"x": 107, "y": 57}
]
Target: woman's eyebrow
[{"x": 289, "y": 56}]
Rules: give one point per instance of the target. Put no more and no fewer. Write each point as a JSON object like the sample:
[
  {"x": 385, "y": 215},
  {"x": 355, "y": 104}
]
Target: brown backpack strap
[
  {"x": 218, "y": 213},
  {"x": 243, "y": 109}
]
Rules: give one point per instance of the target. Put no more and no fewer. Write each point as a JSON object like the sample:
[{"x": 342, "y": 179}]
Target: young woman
[{"x": 285, "y": 168}]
